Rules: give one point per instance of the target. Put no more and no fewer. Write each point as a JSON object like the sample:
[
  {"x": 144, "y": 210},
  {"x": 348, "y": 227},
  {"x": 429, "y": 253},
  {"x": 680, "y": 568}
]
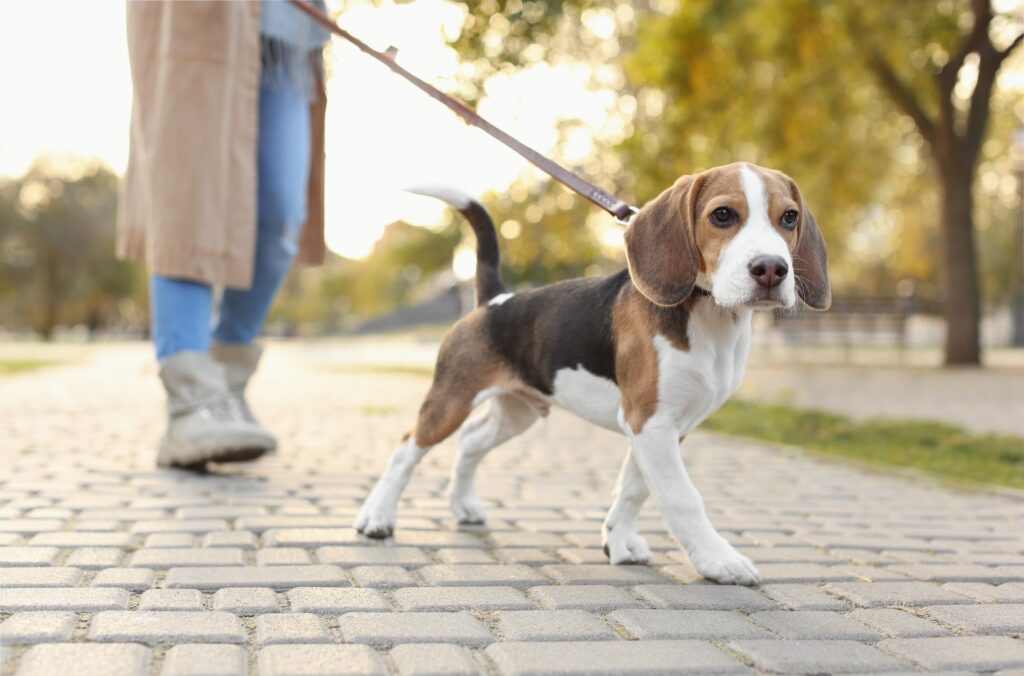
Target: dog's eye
[
  {"x": 723, "y": 217},
  {"x": 789, "y": 219}
]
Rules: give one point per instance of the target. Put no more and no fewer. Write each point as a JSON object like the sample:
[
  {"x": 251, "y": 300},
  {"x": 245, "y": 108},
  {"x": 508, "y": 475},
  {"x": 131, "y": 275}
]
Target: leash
[{"x": 622, "y": 211}]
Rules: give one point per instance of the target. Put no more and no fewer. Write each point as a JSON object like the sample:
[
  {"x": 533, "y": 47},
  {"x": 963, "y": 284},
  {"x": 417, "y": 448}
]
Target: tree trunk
[{"x": 963, "y": 312}]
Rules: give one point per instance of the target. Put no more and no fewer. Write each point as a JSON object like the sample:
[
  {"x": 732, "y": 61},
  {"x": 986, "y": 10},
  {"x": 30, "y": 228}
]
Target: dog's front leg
[{"x": 656, "y": 450}]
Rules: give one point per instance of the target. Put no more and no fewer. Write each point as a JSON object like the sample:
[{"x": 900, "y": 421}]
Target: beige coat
[{"x": 188, "y": 200}]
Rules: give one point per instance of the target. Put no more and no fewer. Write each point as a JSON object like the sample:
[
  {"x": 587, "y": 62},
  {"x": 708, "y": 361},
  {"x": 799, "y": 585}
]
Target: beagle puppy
[{"x": 649, "y": 352}]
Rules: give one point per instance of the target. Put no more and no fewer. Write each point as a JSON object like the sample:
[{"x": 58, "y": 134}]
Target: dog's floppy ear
[
  {"x": 810, "y": 263},
  {"x": 661, "y": 246}
]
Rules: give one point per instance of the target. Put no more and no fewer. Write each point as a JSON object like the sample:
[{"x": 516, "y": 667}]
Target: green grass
[
  {"x": 944, "y": 450},
  {"x": 11, "y": 366}
]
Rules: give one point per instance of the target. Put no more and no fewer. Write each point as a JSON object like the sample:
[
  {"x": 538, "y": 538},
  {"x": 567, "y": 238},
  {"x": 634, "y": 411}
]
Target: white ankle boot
[
  {"x": 205, "y": 424},
  {"x": 240, "y": 362}
]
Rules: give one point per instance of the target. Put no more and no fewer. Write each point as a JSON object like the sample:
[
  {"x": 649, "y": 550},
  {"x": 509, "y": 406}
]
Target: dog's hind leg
[
  {"x": 507, "y": 416},
  {"x": 622, "y": 543},
  {"x": 442, "y": 412}
]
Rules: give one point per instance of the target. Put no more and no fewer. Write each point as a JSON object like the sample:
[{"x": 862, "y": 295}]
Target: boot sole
[{"x": 176, "y": 454}]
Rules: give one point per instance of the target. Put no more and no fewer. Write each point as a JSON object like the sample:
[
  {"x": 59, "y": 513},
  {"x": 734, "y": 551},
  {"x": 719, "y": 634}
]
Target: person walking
[{"x": 223, "y": 190}]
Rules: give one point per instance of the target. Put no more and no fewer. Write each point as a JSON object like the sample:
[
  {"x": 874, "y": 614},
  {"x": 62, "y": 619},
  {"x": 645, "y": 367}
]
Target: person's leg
[
  {"x": 180, "y": 312},
  {"x": 203, "y": 422},
  {"x": 284, "y": 153}
]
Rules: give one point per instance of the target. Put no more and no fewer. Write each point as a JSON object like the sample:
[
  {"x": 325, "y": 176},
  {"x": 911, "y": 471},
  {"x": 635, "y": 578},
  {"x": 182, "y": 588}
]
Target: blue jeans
[{"x": 181, "y": 308}]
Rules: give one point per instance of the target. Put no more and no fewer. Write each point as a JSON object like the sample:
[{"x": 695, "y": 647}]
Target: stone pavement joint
[{"x": 111, "y": 566}]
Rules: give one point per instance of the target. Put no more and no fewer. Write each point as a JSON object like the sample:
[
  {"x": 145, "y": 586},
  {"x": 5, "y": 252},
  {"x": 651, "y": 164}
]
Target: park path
[{"x": 111, "y": 566}]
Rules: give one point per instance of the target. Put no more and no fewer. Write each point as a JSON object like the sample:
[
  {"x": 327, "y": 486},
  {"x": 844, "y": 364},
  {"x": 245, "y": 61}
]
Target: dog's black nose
[{"x": 769, "y": 271}]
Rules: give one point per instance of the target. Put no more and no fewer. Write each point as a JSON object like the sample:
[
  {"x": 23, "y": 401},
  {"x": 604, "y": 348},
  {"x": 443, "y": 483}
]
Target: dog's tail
[{"x": 488, "y": 269}]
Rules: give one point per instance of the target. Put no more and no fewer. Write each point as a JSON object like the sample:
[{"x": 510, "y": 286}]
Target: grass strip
[{"x": 944, "y": 450}]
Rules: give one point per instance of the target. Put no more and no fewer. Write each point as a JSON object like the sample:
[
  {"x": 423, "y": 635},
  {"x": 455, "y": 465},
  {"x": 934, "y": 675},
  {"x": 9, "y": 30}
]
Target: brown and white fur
[{"x": 649, "y": 352}]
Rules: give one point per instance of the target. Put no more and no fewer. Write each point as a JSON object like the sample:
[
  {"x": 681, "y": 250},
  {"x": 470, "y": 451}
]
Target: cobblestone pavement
[{"x": 110, "y": 566}]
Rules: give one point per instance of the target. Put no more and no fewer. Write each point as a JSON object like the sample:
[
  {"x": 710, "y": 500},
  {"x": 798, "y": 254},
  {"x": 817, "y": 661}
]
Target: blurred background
[{"x": 907, "y": 141}]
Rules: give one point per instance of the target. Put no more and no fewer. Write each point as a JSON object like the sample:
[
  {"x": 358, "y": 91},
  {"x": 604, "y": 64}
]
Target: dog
[{"x": 649, "y": 352}]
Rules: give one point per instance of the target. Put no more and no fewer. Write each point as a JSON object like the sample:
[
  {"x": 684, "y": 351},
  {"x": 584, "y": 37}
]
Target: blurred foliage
[{"x": 57, "y": 265}]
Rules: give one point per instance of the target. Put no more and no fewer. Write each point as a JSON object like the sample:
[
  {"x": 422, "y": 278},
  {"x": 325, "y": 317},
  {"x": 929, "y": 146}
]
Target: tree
[
  {"x": 955, "y": 135},
  {"x": 56, "y": 250}
]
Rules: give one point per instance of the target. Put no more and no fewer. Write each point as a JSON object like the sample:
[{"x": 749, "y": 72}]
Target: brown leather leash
[{"x": 622, "y": 211}]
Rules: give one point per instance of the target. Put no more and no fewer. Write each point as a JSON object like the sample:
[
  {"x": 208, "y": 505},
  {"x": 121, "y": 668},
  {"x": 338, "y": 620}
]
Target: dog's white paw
[
  {"x": 624, "y": 548},
  {"x": 724, "y": 565},
  {"x": 468, "y": 509},
  {"x": 374, "y": 521}
]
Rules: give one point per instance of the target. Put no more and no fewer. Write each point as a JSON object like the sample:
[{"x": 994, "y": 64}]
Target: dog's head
[{"x": 742, "y": 230}]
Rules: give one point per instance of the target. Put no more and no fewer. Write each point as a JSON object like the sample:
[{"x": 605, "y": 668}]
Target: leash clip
[{"x": 624, "y": 222}]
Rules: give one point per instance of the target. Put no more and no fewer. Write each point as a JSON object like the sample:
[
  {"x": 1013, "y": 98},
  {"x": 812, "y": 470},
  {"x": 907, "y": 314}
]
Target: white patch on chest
[
  {"x": 694, "y": 383},
  {"x": 591, "y": 397},
  {"x": 500, "y": 298}
]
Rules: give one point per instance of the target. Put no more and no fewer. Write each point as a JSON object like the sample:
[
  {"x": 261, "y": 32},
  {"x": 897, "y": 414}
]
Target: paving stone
[
  {"x": 553, "y": 625},
  {"x": 37, "y": 627},
  {"x": 394, "y": 628},
  {"x": 871, "y": 573},
  {"x": 814, "y": 624},
  {"x": 71, "y": 539},
  {"x": 320, "y": 660},
  {"x": 436, "y": 539},
  {"x": 461, "y": 598},
  {"x": 602, "y": 574},
  {"x": 955, "y": 572},
  {"x": 584, "y": 597},
  {"x": 971, "y": 653},
  {"x": 526, "y": 555},
  {"x": 246, "y": 600},
  {"x": 178, "y": 526},
  {"x": 580, "y": 555},
  {"x": 373, "y": 556},
  {"x": 85, "y": 659},
  {"x": 443, "y": 575},
  {"x": 521, "y": 539},
  {"x": 169, "y": 558},
  {"x": 880, "y": 594},
  {"x": 84, "y": 599},
  {"x": 193, "y": 659},
  {"x": 775, "y": 573},
  {"x": 704, "y": 597},
  {"x": 132, "y": 579},
  {"x": 647, "y": 624},
  {"x": 988, "y": 593},
  {"x": 291, "y": 628},
  {"x": 165, "y": 540},
  {"x": 434, "y": 660},
  {"x": 897, "y": 623},
  {"x": 763, "y": 555},
  {"x": 334, "y": 600},
  {"x": 39, "y": 577},
  {"x": 610, "y": 658},
  {"x": 382, "y": 577},
  {"x": 815, "y": 657},
  {"x": 20, "y": 557},
  {"x": 30, "y": 526},
  {"x": 241, "y": 539},
  {"x": 802, "y": 597},
  {"x": 282, "y": 556},
  {"x": 312, "y": 537},
  {"x": 95, "y": 558},
  {"x": 219, "y": 511},
  {"x": 166, "y": 627},
  {"x": 986, "y": 619},
  {"x": 463, "y": 555},
  {"x": 275, "y": 577},
  {"x": 171, "y": 599}
]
